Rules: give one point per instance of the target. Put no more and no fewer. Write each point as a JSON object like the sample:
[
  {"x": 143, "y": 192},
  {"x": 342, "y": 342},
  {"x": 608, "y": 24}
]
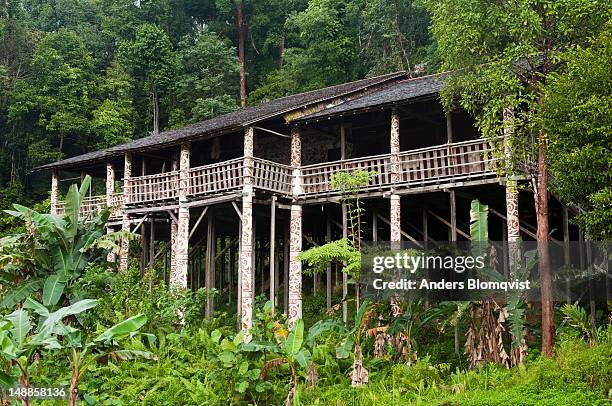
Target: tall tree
[
  {"x": 505, "y": 52},
  {"x": 577, "y": 118},
  {"x": 151, "y": 58}
]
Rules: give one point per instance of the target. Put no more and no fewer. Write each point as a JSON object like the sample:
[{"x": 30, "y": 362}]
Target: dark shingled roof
[
  {"x": 399, "y": 92},
  {"x": 229, "y": 121}
]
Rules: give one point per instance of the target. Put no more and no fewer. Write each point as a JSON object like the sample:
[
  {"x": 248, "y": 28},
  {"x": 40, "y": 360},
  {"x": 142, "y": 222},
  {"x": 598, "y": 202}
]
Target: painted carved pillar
[
  {"x": 54, "y": 190},
  {"x": 110, "y": 189},
  {"x": 512, "y": 217},
  {"x": 178, "y": 279},
  {"x": 125, "y": 223},
  {"x": 395, "y": 217},
  {"x": 295, "y": 233},
  {"x": 246, "y": 238}
]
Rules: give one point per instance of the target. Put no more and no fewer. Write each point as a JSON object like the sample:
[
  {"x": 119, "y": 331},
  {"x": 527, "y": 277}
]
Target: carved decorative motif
[
  {"x": 110, "y": 189},
  {"x": 184, "y": 163},
  {"x": 395, "y": 218},
  {"x": 54, "y": 191},
  {"x": 178, "y": 275},
  {"x": 125, "y": 223},
  {"x": 296, "y": 147},
  {"x": 295, "y": 265},
  {"x": 246, "y": 263},
  {"x": 512, "y": 216},
  {"x": 178, "y": 278},
  {"x": 246, "y": 242},
  {"x": 173, "y": 234},
  {"x": 395, "y": 147}
]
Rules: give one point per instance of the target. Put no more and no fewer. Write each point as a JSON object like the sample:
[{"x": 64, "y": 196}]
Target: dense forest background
[{"x": 80, "y": 75}]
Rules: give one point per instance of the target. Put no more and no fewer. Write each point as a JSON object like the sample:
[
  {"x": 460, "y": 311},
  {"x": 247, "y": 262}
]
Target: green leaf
[
  {"x": 21, "y": 325},
  {"x": 239, "y": 338},
  {"x": 53, "y": 289},
  {"x": 479, "y": 228},
  {"x": 227, "y": 357},
  {"x": 215, "y": 336},
  {"x": 244, "y": 366},
  {"x": 36, "y": 306},
  {"x": 125, "y": 355},
  {"x": 21, "y": 292},
  {"x": 303, "y": 357},
  {"x": 6, "y": 380},
  {"x": 295, "y": 338},
  {"x": 123, "y": 329},
  {"x": 242, "y": 386}
]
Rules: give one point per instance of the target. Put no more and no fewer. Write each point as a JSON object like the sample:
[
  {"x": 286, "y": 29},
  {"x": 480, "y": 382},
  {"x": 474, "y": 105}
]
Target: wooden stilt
[
  {"x": 125, "y": 224},
  {"x": 344, "y": 275},
  {"x": 247, "y": 237},
  {"x": 209, "y": 278},
  {"x": 328, "y": 275},
  {"x": 273, "y": 252},
  {"x": 286, "y": 271}
]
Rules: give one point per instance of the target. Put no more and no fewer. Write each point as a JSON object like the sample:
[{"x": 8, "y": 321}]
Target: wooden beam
[
  {"x": 197, "y": 223},
  {"x": 272, "y": 132},
  {"x": 209, "y": 272},
  {"x": 453, "y": 215},
  {"x": 344, "y": 275},
  {"x": 447, "y": 224},
  {"x": 139, "y": 223},
  {"x": 272, "y": 252},
  {"x": 328, "y": 275},
  {"x": 238, "y": 212},
  {"x": 405, "y": 234},
  {"x": 172, "y": 216}
]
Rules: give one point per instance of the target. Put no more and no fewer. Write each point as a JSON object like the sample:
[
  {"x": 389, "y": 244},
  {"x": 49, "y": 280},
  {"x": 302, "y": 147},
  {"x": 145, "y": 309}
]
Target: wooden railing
[
  {"x": 153, "y": 188},
  {"x": 456, "y": 162},
  {"x": 94, "y": 204},
  {"x": 216, "y": 178},
  {"x": 317, "y": 178},
  {"x": 272, "y": 176},
  {"x": 441, "y": 163}
]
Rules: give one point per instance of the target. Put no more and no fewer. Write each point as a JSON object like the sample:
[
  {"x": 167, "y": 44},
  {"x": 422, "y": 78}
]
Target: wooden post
[
  {"x": 453, "y": 215},
  {"x": 295, "y": 230},
  {"x": 425, "y": 225},
  {"x": 286, "y": 271},
  {"x": 152, "y": 243},
  {"x": 54, "y": 190},
  {"x": 232, "y": 270},
  {"x": 328, "y": 275},
  {"x": 273, "y": 252},
  {"x": 125, "y": 223},
  {"x": 209, "y": 270},
  {"x": 178, "y": 279},
  {"x": 246, "y": 248},
  {"x": 110, "y": 190},
  {"x": 513, "y": 228},
  {"x": 344, "y": 275},
  {"x": 395, "y": 215}
]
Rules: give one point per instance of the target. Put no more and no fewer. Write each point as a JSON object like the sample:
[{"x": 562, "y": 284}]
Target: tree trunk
[
  {"x": 281, "y": 59},
  {"x": 74, "y": 380},
  {"x": 541, "y": 206},
  {"x": 242, "y": 33},
  {"x": 155, "y": 111}
]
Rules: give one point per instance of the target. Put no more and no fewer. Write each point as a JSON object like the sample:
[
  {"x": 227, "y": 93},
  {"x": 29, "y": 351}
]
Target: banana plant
[
  {"x": 54, "y": 250},
  {"x": 292, "y": 353},
  {"x": 21, "y": 337}
]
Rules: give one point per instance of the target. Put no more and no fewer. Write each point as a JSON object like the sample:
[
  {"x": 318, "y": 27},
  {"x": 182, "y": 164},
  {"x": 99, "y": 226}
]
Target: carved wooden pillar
[
  {"x": 395, "y": 217},
  {"x": 110, "y": 189},
  {"x": 178, "y": 279},
  {"x": 54, "y": 190},
  {"x": 512, "y": 217},
  {"x": 125, "y": 223},
  {"x": 295, "y": 233},
  {"x": 246, "y": 239}
]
